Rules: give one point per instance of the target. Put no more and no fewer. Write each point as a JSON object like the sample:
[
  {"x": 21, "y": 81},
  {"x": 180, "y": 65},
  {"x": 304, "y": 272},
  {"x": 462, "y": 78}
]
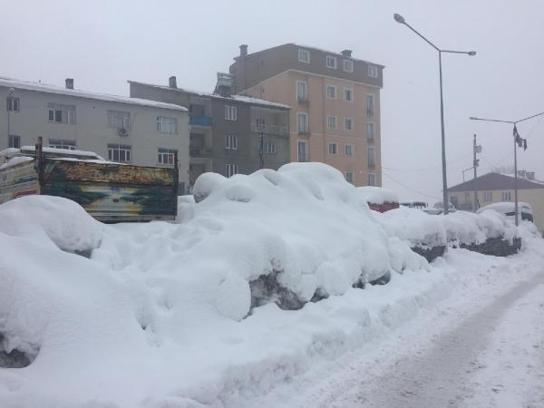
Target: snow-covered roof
[
  {"x": 339, "y": 54},
  {"x": 54, "y": 89},
  {"x": 11, "y": 152},
  {"x": 238, "y": 98}
]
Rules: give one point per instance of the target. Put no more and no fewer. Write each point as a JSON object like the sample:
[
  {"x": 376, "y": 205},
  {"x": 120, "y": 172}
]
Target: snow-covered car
[
  {"x": 438, "y": 208},
  {"x": 508, "y": 209}
]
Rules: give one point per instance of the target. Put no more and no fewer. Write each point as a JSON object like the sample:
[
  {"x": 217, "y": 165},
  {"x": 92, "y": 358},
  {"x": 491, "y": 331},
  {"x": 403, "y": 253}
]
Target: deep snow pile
[
  {"x": 158, "y": 316},
  {"x": 377, "y": 195}
]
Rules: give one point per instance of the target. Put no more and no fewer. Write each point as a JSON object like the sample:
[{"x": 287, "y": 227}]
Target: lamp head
[
  {"x": 399, "y": 19},
  {"x": 472, "y": 53}
]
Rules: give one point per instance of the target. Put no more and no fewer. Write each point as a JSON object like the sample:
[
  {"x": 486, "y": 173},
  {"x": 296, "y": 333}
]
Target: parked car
[
  {"x": 508, "y": 209},
  {"x": 108, "y": 191}
]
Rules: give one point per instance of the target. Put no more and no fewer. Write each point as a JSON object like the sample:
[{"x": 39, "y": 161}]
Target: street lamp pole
[
  {"x": 401, "y": 20},
  {"x": 516, "y": 141}
]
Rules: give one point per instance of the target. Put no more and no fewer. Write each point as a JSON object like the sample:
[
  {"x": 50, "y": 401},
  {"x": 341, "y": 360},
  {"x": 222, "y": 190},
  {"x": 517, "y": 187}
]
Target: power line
[{"x": 410, "y": 188}]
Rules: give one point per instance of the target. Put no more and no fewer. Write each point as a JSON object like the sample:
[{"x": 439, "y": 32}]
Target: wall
[
  {"x": 91, "y": 131},
  {"x": 282, "y": 88}
]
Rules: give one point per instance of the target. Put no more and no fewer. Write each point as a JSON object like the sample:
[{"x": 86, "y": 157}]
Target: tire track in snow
[{"x": 439, "y": 376}]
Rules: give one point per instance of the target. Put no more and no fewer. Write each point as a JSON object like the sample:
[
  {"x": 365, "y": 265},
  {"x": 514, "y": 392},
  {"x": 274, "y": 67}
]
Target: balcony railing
[
  {"x": 201, "y": 120},
  {"x": 270, "y": 129},
  {"x": 200, "y": 151}
]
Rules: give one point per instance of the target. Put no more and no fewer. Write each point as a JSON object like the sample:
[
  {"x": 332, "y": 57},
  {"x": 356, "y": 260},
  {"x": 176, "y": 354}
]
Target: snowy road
[{"x": 492, "y": 357}]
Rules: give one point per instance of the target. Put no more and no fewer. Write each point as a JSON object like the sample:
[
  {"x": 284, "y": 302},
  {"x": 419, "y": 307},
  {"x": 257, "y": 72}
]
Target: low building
[
  {"x": 118, "y": 128},
  {"x": 229, "y": 133},
  {"x": 495, "y": 187}
]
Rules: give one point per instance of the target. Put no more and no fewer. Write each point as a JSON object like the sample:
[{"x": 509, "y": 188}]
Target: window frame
[
  {"x": 302, "y": 98},
  {"x": 370, "y": 132},
  {"x": 371, "y": 157},
  {"x": 13, "y": 104},
  {"x": 331, "y": 58},
  {"x": 350, "y": 64},
  {"x": 306, "y": 157},
  {"x": 373, "y": 71},
  {"x": 231, "y": 113},
  {"x": 231, "y": 169},
  {"x": 331, "y": 119},
  {"x": 112, "y": 117},
  {"x": 330, "y": 86},
  {"x": 66, "y": 144},
  {"x": 163, "y": 152},
  {"x": 348, "y": 175},
  {"x": 67, "y": 114},
  {"x": 14, "y": 138},
  {"x": 372, "y": 176},
  {"x": 117, "y": 147},
  {"x": 231, "y": 142},
  {"x": 162, "y": 126},
  {"x": 333, "y": 148},
  {"x": 370, "y": 105},
  {"x": 350, "y": 153},
  {"x": 350, "y": 121},
  {"x": 302, "y": 54},
  {"x": 350, "y": 90},
  {"x": 306, "y": 121}
]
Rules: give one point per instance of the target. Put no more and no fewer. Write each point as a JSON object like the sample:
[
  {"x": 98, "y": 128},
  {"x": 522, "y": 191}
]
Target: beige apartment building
[{"x": 335, "y": 100}]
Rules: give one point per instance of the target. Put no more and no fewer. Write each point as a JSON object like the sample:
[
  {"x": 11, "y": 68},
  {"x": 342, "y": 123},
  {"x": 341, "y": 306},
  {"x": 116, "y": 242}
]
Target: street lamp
[
  {"x": 400, "y": 19},
  {"x": 517, "y": 141}
]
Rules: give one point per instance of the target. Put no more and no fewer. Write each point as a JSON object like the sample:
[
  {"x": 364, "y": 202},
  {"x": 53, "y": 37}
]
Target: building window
[
  {"x": 349, "y": 150},
  {"x": 302, "y": 151},
  {"x": 62, "y": 144},
  {"x": 119, "y": 119},
  {"x": 304, "y": 55},
  {"x": 488, "y": 196},
  {"x": 348, "y": 123},
  {"x": 302, "y": 91},
  {"x": 373, "y": 71},
  {"x": 331, "y": 122},
  {"x": 197, "y": 109},
  {"x": 332, "y": 148},
  {"x": 348, "y": 94},
  {"x": 167, "y": 156},
  {"x": 370, "y": 132},
  {"x": 349, "y": 176},
  {"x": 302, "y": 122},
  {"x": 331, "y": 91},
  {"x": 13, "y": 104},
  {"x": 260, "y": 124},
  {"x": 231, "y": 169},
  {"x": 231, "y": 112},
  {"x": 270, "y": 148},
  {"x": 348, "y": 65},
  {"x": 14, "y": 141},
  {"x": 231, "y": 142},
  {"x": 506, "y": 196},
  {"x": 370, "y": 106},
  {"x": 62, "y": 113},
  {"x": 371, "y": 157},
  {"x": 330, "y": 62},
  {"x": 119, "y": 153},
  {"x": 371, "y": 179},
  {"x": 167, "y": 125}
]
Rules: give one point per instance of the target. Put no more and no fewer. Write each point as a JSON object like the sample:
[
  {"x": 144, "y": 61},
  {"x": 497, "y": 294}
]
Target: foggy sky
[{"x": 102, "y": 44}]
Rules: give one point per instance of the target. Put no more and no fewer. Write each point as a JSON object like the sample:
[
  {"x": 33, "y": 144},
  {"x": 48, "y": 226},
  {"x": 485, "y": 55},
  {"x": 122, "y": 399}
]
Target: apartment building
[
  {"x": 118, "y": 128},
  {"x": 229, "y": 133},
  {"x": 496, "y": 187},
  {"x": 334, "y": 99}
]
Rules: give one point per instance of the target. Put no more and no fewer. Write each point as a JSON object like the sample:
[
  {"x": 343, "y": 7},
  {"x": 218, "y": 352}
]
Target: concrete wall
[
  {"x": 91, "y": 131},
  {"x": 282, "y": 88}
]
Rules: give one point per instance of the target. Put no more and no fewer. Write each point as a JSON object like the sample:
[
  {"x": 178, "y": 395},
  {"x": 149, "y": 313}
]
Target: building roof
[
  {"x": 495, "y": 181},
  {"x": 328, "y": 52},
  {"x": 53, "y": 89},
  {"x": 237, "y": 98}
]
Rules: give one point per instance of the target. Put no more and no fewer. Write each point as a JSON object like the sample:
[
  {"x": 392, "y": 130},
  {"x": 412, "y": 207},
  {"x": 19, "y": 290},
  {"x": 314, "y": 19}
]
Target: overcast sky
[{"x": 102, "y": 44}]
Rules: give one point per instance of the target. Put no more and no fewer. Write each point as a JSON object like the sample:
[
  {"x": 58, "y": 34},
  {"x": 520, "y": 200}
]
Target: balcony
[
  {"x": 200, "y": 120},
  {"x": 195, "y": 151}
]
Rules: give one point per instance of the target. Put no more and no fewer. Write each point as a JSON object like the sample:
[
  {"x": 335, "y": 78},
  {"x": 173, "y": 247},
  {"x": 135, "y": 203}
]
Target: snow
[
  {"x": 377, "y": 195},
  {"x": 239, "y": 98},
  {"x": 504, "y": 207},
  {"x": 159, "y": 315},
  {"x": 14, "y": 161},
  {"x": 53, "y": 89}
]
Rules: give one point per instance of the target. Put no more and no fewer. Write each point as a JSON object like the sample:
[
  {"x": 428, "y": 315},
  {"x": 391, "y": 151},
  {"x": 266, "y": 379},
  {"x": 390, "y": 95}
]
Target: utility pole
[{"x": 475, "y": 163}]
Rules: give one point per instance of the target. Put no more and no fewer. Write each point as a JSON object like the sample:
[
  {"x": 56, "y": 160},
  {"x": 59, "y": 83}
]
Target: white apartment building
[{"x": 118, "y": 128}]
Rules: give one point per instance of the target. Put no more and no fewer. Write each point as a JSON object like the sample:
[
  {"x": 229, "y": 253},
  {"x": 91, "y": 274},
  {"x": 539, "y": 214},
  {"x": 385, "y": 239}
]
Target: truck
[{"x": 110, "y": 192}]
